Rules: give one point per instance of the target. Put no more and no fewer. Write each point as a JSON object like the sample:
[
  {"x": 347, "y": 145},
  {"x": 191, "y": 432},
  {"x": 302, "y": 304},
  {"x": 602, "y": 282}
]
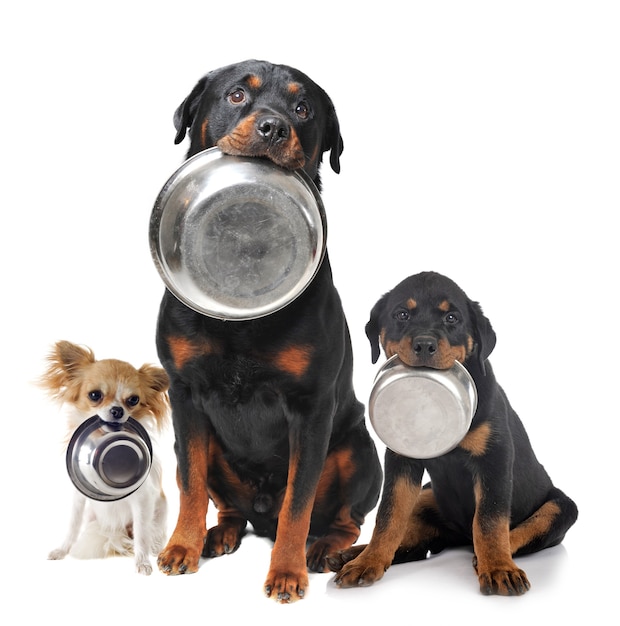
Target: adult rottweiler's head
[
  {"x": 256, "y": 108},
  {"x": 427, "y": 320}
]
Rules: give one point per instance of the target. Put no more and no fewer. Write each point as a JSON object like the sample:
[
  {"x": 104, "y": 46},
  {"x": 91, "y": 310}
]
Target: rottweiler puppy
[
  {"x": 490, "y": 491},
  {"x": 266, "y": 421}
]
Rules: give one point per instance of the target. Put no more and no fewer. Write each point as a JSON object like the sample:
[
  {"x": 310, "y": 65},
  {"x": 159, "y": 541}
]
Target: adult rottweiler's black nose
[
  {"x": 272, "y": 128},
  {"x": 424, "y": 346}
]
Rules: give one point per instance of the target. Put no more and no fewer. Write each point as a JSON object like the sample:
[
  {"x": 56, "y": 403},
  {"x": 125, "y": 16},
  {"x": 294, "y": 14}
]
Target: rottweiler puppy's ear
[
  {"x": 373, "y": 327},
  {"x": 186, "y": 111},
  {"x": 336, "y": 148},
  {"x": 484, "y": 335}
]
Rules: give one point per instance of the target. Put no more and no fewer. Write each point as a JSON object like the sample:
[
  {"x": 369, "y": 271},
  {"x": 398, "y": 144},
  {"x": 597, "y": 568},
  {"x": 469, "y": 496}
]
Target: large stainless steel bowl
[
  {"x": 421, "y": 412},
  {"x": 237, "y": 238},
  {"x": 108, "y": 461}
]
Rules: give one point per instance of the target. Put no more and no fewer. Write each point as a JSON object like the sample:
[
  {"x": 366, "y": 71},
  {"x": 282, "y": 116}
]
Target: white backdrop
[{"x": 481, "y": 141}]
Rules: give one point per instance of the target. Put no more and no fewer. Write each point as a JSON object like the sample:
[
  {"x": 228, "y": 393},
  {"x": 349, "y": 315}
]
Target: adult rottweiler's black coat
[
  {"x": 490, "y": 491},
  {"x": 266, "y": 421}
]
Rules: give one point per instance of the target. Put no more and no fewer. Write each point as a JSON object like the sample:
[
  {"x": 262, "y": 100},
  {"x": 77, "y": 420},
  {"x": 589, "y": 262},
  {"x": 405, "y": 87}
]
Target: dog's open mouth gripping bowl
[
  {"x": 420, "y": 412},
  {"x": 237, "y": 238},
  {"x": 108, "y": 461}
]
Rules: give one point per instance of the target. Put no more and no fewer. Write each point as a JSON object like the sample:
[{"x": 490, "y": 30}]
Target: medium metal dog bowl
[
  {"x": 421, "y": 412},
  {"x": 237, "y": 238},
  {"x": 108, "y": 461}
]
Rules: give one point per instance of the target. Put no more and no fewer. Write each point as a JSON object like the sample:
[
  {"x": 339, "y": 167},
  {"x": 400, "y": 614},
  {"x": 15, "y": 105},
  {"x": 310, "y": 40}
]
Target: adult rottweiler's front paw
[
  {"x": 286, "y": 587},
  {"x": 178, "y": 559}
]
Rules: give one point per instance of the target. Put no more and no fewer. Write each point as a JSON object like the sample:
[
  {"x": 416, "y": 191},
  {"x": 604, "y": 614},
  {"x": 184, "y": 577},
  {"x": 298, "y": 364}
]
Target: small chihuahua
[{"x": 115, "y": 391}]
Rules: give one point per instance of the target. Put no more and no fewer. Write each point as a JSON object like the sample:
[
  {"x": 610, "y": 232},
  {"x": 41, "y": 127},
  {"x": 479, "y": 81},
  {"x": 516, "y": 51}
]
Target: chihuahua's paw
[
  {"x": 57, "y": 555},
  {"x": 144, "y": 568}
]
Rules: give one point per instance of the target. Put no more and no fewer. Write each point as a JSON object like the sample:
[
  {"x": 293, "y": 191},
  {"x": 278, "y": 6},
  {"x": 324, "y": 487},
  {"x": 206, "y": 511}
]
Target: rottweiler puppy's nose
[{"x": 424, "y": 346}]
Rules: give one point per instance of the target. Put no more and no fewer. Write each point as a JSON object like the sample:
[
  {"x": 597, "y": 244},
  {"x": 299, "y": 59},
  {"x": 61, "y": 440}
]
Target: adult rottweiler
[
  {"x": 490, "y": 491},
  {"x": 265, "y": 417}
]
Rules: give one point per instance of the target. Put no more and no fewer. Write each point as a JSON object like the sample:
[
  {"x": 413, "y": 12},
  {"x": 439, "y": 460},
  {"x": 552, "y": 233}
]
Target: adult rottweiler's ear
[
  {"x": 186, "y": 111},
  {"x": 484, "y": 335},
  {"x": 373, "y": 327},
  {"x": 333, "y": 140}
]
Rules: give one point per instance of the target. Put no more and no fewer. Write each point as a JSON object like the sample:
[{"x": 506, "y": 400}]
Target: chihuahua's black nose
[{"x": 117, "y": 412}]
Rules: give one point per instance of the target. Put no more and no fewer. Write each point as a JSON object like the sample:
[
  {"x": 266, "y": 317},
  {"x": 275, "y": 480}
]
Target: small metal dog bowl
[
  {"x": 237, "y": 237},
  {"x": 421, "y": 412},
  {"x": 108, "y": 461}
]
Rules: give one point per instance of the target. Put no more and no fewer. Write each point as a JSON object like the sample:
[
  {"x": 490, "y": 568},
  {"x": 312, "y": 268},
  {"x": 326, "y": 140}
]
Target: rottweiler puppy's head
[
  {"x": 255, "y": 108},
  {"x": 427, "y": 320}
]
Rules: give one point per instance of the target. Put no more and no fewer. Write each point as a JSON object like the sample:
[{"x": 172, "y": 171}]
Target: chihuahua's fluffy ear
[
  {"x": 65, "y": 361},
  {"x": 157, "y": 383}
]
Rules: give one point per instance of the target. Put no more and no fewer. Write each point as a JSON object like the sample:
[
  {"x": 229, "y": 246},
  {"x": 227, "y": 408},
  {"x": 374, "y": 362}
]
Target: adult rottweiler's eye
[
  {"x": 95, "y": 396},
  {"x": 302, "y": 110},
  {"x": 451, "y": 318},
  {"x": 402, "y": 315},
  {"x": 237, "y": 96}
]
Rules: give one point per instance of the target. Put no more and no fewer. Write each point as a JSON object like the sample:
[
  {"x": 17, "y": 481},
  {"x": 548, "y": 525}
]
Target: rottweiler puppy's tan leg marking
[
  {"x": 497, "y": 572},
  {"x": 388, "y": 534},
  {"x": 537, "y": 525}
]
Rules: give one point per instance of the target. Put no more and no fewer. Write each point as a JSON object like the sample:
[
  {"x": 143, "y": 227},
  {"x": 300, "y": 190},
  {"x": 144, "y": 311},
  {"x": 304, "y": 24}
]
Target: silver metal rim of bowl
[
  {"x": 85, "y": 457},
  {"x": 237, "y": 238},
  {"x": 421, "y": 412}
]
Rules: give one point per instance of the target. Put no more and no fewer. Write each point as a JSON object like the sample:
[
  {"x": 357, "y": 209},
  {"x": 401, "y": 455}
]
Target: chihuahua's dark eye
[
  {"x": 402, "y": 315},
  {"x": 132, "y": 401},
  {"x": 95, "y": 396},
  {"x": 451, "y": 318},
  {"x": 302, "y": 110},
  {"x": 237, "y": 96}
]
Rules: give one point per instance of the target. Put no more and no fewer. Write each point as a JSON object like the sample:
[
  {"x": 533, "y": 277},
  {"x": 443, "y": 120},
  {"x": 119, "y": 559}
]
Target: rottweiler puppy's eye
[
  {"x": 401, "y": 315},
  {"x": 302, "y": 110},
  {"x": 451, "y": 318}
]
